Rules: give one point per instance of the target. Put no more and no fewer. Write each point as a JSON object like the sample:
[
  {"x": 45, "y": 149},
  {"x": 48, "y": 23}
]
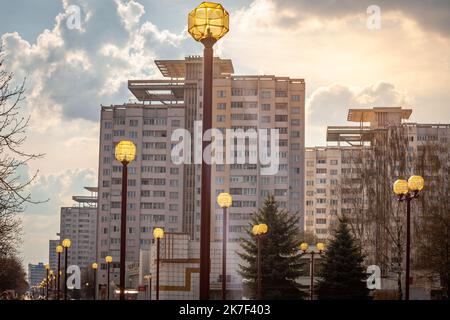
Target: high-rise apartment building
[
  {"x": 327, "y": 168},
  {"x": 79, "y": 224},
  {"x": 36, "y": 273},
  {"x": 52, "y": 255},
  {"x": 162, "y": 194}
]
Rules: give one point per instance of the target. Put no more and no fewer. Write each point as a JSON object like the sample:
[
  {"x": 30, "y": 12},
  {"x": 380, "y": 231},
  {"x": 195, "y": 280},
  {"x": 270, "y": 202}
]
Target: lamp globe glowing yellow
[
  {"x": 416, "y": 183},
  {"x": 304, "y": 246},
  {"x": 208, "y": 20},
  {"x": 401, "y": 187},
  {"x": 66, "y": 243},
  {"x": 255, "y": 229},
  {"x": 108, "y": 259},
  {"x": 95, "y": 266},
  {"x": 320, "y": 246},
  {"x": 59, "y": 249},
  {"x": 263, "y": 228},
  {"x": 47, "y": 267},
  {"x": 158, "y": 233},
  {"x": 224, "y": 200},
  {"x": 125, "y": 151}
]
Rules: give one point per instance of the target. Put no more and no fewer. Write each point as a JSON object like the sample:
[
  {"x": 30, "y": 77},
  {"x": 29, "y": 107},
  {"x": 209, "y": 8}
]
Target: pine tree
[
  {"x": 280, "y": 260},
  {"x": 343, "y": 275}
]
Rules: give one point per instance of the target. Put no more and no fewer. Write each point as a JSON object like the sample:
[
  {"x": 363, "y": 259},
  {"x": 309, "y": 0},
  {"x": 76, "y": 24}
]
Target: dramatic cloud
[{"x": 433, "y": 15}]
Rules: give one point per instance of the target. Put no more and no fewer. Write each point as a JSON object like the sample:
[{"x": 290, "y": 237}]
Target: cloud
[
  {"x": 71, "y": 72},
  {"x": 329, "y": 105},
  {"x": 433, "y": 15}
]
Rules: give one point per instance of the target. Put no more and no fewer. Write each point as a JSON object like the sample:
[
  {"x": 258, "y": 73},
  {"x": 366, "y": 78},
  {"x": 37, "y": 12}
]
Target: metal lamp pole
[
  {"x": 59, "y": 249},
  {"x": 207, "y": 23},
  {"x": 406, "y": 191}
]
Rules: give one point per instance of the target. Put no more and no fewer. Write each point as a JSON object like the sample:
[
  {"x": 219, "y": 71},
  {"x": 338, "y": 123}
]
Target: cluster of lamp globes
[{"x": 403, "y": 188}]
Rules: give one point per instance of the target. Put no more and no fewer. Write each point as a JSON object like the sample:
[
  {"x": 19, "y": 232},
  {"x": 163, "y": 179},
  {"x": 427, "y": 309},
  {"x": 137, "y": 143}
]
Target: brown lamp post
[
  {"x": 94, "y": 269},
  {"x": 59, "y": 249},
  {"x": 406, "y": 191},
  {"x": 258, "y": 231},
  {"x": 125, "y": 152},
  {"x": 207, "y": 24},
  {"x": 224, "y": 200},
  {"x": 66, "y": 245},
  {"x": 158, "y": 234},
  {"x": 321, "y": 247},
  {"x": 148, "y": 278},
  {"x": 108, "y": 260}
]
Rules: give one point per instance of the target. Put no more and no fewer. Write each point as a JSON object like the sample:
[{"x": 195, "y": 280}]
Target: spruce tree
[
  {"x": 280, "y": 262},
  {"x": 343, "y": 275}
]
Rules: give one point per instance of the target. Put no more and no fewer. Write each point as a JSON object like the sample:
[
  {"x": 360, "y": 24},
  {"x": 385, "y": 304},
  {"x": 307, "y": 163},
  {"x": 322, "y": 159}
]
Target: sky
[{"x": 348, "y": 58}]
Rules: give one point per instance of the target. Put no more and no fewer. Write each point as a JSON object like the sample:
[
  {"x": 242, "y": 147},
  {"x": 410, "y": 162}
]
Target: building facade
[
  {"x": 52, "y": 255},
  {"x": 36, "y": 273},
  {"x": 162, "y": 194},
  {"x": 79, "y": 224}
]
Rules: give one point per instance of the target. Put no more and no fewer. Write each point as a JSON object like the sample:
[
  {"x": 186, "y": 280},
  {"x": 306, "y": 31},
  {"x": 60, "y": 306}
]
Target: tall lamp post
[
  {"x": 259, "y": 230},
  {"x": 406, "y": 191},
  {"x": 66, "y": 245},
  {"x": 158, "y": 234},
  {"x": 94, "y": 269},
  {"x": 108, "y": 260},
  {"x": 304, "y": 247},
  {"x": 59, "y": 249},
  {"x": 125, "y": 152},
  {"x": 148, "y": 278},
  {"x": 224, "y": 200},
  {"x": 47, "y": 269},
  {"x": 207, "y": 24},
  {"x": 52, "y": 280}
]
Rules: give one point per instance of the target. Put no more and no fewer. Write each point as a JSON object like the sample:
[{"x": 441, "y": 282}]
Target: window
[
  {"x": 295, "y": 122},
  {"x": 221, "y": 106},
  {"x": 295, "y": 98},
  {"x": 321, "y": 221},
  {"x": 333, "y": 162},
  {"x": 175, "y": 123},
  {"x": 266, "y": 94},
  {"x": 134, "y": 123},
  {"x": 280, "y": 118},
  {"x": 236, "y": 105},
  {"x": 221, "y": 94},
  {"x": 295, "y": 110},
  {"x": 265, "y": 107},
  {"x": 236, "y": 92},
  {"x": 221, "y": 118}
]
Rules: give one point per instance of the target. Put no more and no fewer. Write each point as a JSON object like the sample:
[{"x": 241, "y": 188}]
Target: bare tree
[
  {"x": 432, "y": 221},
  {"x": 13, "y": 187}
]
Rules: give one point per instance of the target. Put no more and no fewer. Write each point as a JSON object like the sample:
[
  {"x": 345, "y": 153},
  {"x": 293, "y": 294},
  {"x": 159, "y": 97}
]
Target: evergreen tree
[
  {"x": 280, "y": 262},
  {"x": 343, "y": 275}
]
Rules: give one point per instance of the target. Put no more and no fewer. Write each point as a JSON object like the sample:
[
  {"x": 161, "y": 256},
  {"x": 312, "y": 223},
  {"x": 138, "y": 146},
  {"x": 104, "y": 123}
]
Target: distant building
[
  {"x": 36, "y": 273},
  {"x": 52, "y": 255},
  {"x": 79, "y": 224}
]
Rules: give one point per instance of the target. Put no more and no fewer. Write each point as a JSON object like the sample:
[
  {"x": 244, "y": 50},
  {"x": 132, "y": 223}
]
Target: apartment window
[
  {"x": 265, "y": 119},
  {"x": 133, "y": 135},
  {"x": 321, "y": 161},
  {"x": 108, "y": 125},
  {"x": 280, "y": 94},
  {"x": 221, "y": 118},
  {"x": 295, "y": 122},
  {"x": 321, "y": 221},
  {"x": 309, "y": 182},
  {"x": 321, "y": 171},
  {"x": 333, "y": 162},
  {"x": 175, "y": 123},
  {"x": 281, "y": 118},
  {"x": 321, "y": 211},
  {"x": 266, "y": 94},
  {"x": 236, "y": 105},
  {"x": 295, "y": 97},
  {"x": 221, "y": 106},
  {"x": 134, "y": 123},
  {"x": 173, "y": 195},
  {"x": 221, "y": 94},
  {"x": 265, "y": 107},
  {"x": 174, "y": 170},
  {"x": 173, "y": 207},
  {"x": 333, "y": 172},
  {"x": 236, "y": 92}
]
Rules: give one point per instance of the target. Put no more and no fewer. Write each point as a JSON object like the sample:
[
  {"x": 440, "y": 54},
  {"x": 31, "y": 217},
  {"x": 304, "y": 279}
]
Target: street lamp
[
  {"x": 125, "y": 152},
  {"x": 108, "y": 260},
  {"x": 66, "y": 244},
  {"x": 158, "y": 234},
  {"x": 406, "y": 191},
  {"x": 51, "y": 279},
  {"x": 47, "y": 269},
  {"x": 259, "y": 230},
  {"x": 149, "y": 279},
  {"x": 59, "y": 249},
  {"x": 224, "y": 200},
  {"x": 304, "y": 247},
  {"x": 207, "y": 24},
  {"x": 94, "y": 268}
]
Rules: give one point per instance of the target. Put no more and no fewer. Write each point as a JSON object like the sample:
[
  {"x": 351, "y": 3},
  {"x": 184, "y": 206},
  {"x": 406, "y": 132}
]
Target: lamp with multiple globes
[
  {"x": 407, "y": 191},
  {"x": 321, "y": 248}
]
